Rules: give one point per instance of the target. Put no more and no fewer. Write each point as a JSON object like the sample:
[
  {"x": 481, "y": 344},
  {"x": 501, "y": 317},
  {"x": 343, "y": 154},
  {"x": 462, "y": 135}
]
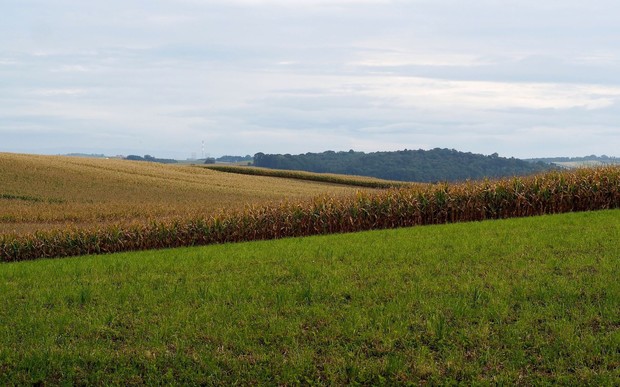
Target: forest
[{"x": 434, "y": 165}]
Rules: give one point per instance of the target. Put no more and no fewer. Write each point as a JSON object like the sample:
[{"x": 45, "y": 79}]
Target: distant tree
[
  {"x": 210, "y": 160},
  {"x": 150, "y": 158},
  {"x": 234, "y": 159},
  {"x": 259, "y": 159},
  {"x": 406, "y": 165}
]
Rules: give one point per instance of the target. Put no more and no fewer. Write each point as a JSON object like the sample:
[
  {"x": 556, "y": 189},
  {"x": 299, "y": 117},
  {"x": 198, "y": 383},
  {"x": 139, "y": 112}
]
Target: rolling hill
[
  {"x": 532, "y": 301},
  {"x": 407, "y": 165},
  {"x": 43, "y": 192}
]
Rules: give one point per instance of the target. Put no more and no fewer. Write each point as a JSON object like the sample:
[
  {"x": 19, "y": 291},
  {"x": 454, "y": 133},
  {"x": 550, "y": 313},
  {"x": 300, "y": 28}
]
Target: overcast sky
[{"x": 524, "y": 78}]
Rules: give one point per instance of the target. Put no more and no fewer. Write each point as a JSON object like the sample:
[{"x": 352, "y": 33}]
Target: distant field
[
  {"x": 584, "y": 164},
  {"x": 43, "y": 192},
  {"x": 359, "y": 181},
  {"x": 531, "y": 301}
]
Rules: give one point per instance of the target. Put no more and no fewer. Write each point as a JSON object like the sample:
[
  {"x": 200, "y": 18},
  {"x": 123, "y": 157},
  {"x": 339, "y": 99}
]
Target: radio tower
[{"x": 203, "y": 149}]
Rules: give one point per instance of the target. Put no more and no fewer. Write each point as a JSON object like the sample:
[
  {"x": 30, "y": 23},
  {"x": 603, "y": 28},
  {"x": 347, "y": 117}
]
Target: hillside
[
  {"x": 407, "y": 165},
  {"x": 352, "y": 180},
  {"x": 415, "y": 204},
  {"x": 585, "y": 160},
  {"x": 42, "y": 192},
  {"x": 531, "y": 301},
  {"x": 579, "y": 162}
]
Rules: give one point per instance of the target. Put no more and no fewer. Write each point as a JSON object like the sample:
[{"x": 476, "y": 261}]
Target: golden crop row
[
  {"x": 358, "y": 181},
  {"x": 554, "y": 192}
]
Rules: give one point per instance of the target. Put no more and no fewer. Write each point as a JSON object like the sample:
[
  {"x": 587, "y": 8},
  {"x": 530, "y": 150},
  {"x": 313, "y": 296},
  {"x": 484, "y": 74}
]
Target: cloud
[
  {"x": 310, "y": 75},
  {"x": 297, "y": 3}
]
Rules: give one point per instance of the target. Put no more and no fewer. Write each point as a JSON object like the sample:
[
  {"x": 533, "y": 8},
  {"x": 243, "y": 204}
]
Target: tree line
[
  {"x": 151, "y": 159},
  {"x": 406, "y": 165}
]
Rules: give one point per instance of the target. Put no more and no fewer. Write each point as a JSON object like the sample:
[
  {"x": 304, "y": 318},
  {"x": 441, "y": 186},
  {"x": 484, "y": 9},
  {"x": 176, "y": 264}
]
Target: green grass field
[{"x": 523, "y": 301}]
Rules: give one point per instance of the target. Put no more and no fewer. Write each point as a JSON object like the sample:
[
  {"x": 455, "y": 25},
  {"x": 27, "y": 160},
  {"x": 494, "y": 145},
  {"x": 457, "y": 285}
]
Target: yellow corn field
[
  {"x": 359, "y": 181},
  {"x": 55, "y": 193},
  {"x": 553, "y": 192}
]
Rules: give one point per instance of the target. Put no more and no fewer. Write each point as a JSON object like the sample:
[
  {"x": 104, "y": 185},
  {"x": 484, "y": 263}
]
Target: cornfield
[
  {"x": 55, "y": 192},
  {"x": 553, "y": 192},
  {"x": 359, "y": 181}
]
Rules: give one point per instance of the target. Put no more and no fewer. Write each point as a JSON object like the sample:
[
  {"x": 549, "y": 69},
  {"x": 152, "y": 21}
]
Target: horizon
[
  {"x": 199, "y": 157},
  {"x": 522, "y": 79}
]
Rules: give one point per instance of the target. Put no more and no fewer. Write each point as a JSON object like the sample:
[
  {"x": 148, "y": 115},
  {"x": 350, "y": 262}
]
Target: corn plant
[{"x": 553, "y": 192}]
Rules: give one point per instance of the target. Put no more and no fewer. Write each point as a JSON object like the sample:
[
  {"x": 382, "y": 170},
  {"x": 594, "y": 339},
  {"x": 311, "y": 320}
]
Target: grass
[
  {"x": 53, "y": 192},
  {"x": 521, "y": 301}
]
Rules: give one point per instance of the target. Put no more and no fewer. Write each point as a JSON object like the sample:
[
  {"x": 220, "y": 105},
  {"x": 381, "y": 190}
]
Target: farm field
[
  {"x": 584, "y": 164},
  {"x": 360, "y": 181},
  {"x": 521, "y": 301},
  {"x": 182, "y": 225},
  {"x": 47, "y": 192}
]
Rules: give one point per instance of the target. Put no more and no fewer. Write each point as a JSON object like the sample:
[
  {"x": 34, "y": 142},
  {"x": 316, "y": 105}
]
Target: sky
[{"x": 523, "y": 78}]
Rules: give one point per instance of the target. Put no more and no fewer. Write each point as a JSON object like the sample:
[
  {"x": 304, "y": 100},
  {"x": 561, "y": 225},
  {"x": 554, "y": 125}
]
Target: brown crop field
[
  {"x": 549, "y": 193},
  {"x": 359, "y": 181},
  {"x": 54, "y": 192}
]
